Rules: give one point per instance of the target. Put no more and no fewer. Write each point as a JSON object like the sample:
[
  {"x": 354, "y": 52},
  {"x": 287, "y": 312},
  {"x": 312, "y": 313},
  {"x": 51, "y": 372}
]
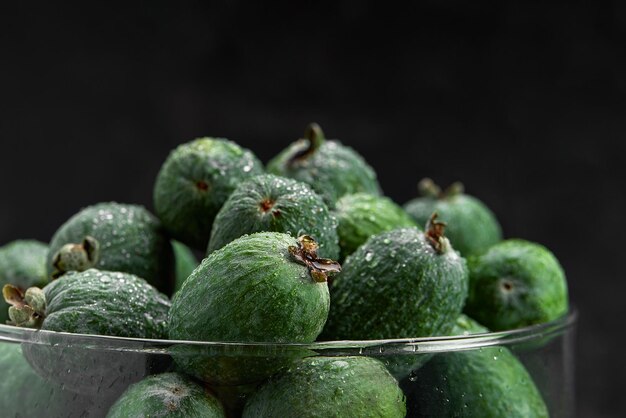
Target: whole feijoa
[
  {"x": 114, "y": 237},
  {"x": 330, "y": 387},
  {"x": 264, "y": 287},
  {"x": 363, "y": 215},
  {"x": 489, "y": 382},
  {"x": 329, "y": 167},
  {"x": 472, "y": 226},
  {"x": 22, "y": 264},
  {"x": 514, "y": 284},
  {"x": 195, "y": 181},
  {"x": 185, "y": 262},
  {"x": 275, "y": 204},
  {"x": 399, "y": 284},
  {"x": 167, "y": 395}
]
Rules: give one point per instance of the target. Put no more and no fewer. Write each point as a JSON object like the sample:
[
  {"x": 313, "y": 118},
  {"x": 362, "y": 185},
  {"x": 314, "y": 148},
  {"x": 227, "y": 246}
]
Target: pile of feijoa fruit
[{"x": 304, "y": 249}]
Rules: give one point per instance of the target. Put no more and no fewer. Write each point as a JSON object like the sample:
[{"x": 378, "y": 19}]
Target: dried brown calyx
[
  {"x": 76, "y": 257},
  {"x": 306, "y": 253},
  {"x": 27, "y": 308},
  {"x": 434, "y": 232},
  {"x": 429, "y": 188},
  {"x": 313, "y": 139}
]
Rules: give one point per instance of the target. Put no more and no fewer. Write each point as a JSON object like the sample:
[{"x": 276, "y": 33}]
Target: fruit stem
[
  {"x": 429, "y": 188},
  {"x": 314, "y": 138},
  {"x": 27, "y": 308},
  {"x": 306, "y": 253},
  {"x": 434, "y": 232},
  {"x": 76, "y": 257}
]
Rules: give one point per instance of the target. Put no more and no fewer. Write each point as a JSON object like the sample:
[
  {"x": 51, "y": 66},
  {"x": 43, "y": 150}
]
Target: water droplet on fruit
[{"x": 369, "y": 255}]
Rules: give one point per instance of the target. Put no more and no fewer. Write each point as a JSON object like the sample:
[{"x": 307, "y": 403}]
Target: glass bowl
[{"x": 55, "y": 374}]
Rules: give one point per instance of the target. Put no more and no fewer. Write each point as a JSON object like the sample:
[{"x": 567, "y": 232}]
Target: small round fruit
[
  {"x": 185, "y": 262},
  {"x": 22, "y": 264},
  {"x": 472, "y": 227},
  {"x": 330, "y": 387},
  {"x": 195, "y": 181},
  {"x": 167, "y": 395},
  {"x": 113, "y": 237},
  {"x": 516, "y": 283},
  {"x": 363, "y": 215},
  {"x": 330, "y": 168},
  {"x": 275, "y": 204}
]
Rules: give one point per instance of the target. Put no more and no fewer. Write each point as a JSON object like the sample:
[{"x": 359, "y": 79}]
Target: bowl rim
[{"x": 534, "y": 333}]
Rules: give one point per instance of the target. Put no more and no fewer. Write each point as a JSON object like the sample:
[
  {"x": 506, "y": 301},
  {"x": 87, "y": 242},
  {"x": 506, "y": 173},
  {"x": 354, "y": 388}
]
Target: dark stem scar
[
  {"x": 202, "y": 185},
  {"x": 306, "y": 253},
  {"x": 435, "y": 233}
]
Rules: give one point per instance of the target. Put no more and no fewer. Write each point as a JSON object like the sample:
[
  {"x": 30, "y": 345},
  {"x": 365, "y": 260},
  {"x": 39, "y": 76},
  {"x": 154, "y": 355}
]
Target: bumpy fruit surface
[
  {"x": 195, "y": 181},
  {"x": 472, "y": 227},
  {"x": 275, "y": 204},
  {"x": 330, "y": 387},
  {"x": 514, "y": 284},
  {"x": 128, "y": 239},
  {"x": 330, "y": 168}
]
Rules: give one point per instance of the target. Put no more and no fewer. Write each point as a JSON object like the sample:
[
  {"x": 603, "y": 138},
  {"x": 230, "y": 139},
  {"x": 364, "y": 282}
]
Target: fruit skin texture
[
  {"x": 276, "y": 204},
  {"x": 397, "y": 285},
  {"x": 251, "y": 290},
  {"x": 167, "y": 395},
  {"x": 487, "y": 382},
  {"x": 23, "y": 264},
  {"x": 131, "y": 240},
  {"x": 516, "y": 283},
  {"x": 330, "y": 387},
  {"x": 195, "y": 181},
  {"x": 185, "y": 263},
  {"x": 332, "y": 169},
  {"x": 363, "y": 215},
  {"x": 471, "y": 226}
]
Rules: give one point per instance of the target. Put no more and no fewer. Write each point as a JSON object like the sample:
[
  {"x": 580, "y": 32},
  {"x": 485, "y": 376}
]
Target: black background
[{"x": 523, "y": 102}]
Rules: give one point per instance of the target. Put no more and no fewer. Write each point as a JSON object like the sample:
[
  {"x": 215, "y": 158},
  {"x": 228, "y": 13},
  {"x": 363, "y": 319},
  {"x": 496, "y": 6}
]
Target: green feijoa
[
  {"x": 185, "y": 262},
  {"x": 363, "y": 215},
  {"x": 167, "y": 395},
  {"x": 488, "y": 382},
  {"x": 195, "y": 181},
  {"x": 114, "y": 237},
  {"x": 472, "y": 227},
  {"x": 330, "y": 387},
  {"x": 399, "y": 284},
  {"x": 275, "y": 204},
  {"x": 329, "y": 167},
  {"x": 264, "y": 287},
  {"x": 22, "y": 264},
  {"x": 514, "y": 284}
]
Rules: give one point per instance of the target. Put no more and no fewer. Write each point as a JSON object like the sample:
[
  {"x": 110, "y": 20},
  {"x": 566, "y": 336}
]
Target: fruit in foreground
[
  {"x": 330, "y": 168},
  {"x": 195, "y": 181},
  {"x": 471, "y": 226},
  {"x": 330, "y": 387},
  {"x": 167, "y": 395},
  {"x": 516, "y": 283},
  {"x": 275, "y": 204}
]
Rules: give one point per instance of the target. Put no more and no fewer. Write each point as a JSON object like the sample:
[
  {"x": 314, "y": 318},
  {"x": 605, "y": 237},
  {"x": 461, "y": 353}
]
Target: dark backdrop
[{"x": 524, "y": 102}]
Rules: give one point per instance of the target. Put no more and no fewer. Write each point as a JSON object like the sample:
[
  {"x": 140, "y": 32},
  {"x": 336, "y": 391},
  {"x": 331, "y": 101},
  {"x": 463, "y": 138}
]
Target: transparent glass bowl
[{"x": 59, "y": 374}]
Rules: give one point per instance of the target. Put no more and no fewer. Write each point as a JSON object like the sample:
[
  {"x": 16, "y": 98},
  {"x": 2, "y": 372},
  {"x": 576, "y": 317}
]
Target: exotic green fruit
[
  {"x": 195, "y": 181},
  {"x": 167, "y": 395},
  {"x": 114, "y": 237},
  {"x": 488, "y": 382},
  {"x": 185, "y": 263},
  {"x": 514, "y": 284},
  {"x": 330, "y": 387},
  {"x": 472, "y": 227},
  {"x": 331, "y": 168},
  {"x": 264, "y": 287},
  {"x": 363, "y": 215},
  {"x": 275, "y": 204},
  {"x": 399, "y": 284},
  {"x": 22, "y": 264}
]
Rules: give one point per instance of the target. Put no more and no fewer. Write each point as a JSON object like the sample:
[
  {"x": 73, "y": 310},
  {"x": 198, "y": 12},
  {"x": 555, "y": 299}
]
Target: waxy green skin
[
  {"x": 363, "y": 215},
  {"x": 195, "y": 181},
  {"x": 185, "y": 263},
  {"x": 397, "y": 285},
  {"x": 471, "y": 226},
  {"x": 333, "y": 170},
  {"x": 171, "y": 395},
  {"x": 131, "y": 240},
  {"x": 516, "y": 283},
  {"x": 22, "y": 264},
  {"x": 295, "y": 209},
  {"x": 330, "y": 387},
  {"x": 251, "y": 290},
  {"x": 488, "y": 382}
]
